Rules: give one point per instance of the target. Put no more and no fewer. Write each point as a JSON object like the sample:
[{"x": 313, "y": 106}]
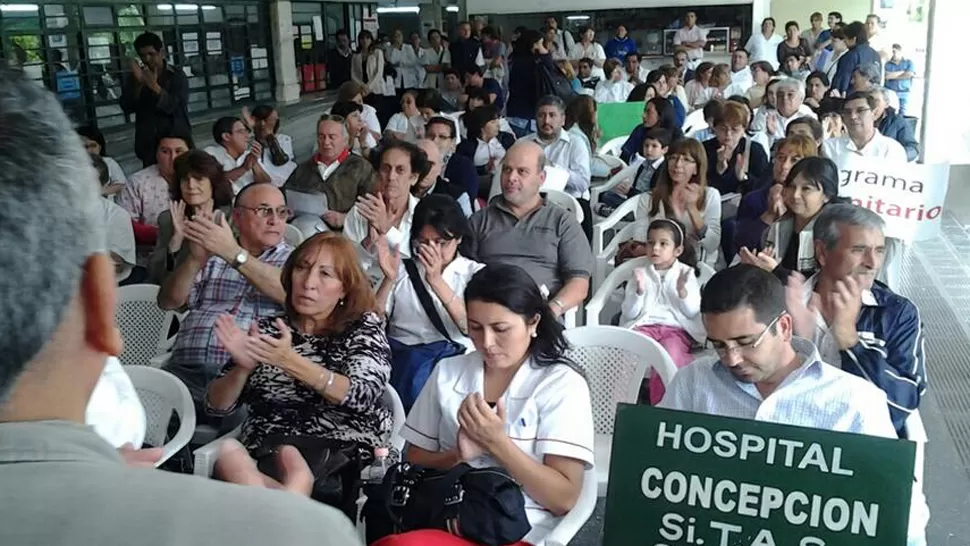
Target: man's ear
[
  {"x": 98, "y": 299},
  {"x": 820, "y": 253}
]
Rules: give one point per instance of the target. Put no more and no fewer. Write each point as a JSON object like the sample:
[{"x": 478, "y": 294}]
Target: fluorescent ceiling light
[
  {"x": 452, "y": 9},
  {"x": 399, "y": 9},
  {"x": 183, "y": 7},
  {"x": 19, "y": 7},
  {"x": 577, "y": 17}
]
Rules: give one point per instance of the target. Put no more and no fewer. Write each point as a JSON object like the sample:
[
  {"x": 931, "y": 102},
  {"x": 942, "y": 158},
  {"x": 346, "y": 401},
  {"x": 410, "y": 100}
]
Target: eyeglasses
[
  {"x": 849, "y": 112},
  {"x": 282, "y": 213},
  {"x": 723, "y": 350}
]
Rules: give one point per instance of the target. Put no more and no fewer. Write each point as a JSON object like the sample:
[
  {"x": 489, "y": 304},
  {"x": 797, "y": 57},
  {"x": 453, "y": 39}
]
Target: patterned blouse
[{"x": 279, "y": 404}]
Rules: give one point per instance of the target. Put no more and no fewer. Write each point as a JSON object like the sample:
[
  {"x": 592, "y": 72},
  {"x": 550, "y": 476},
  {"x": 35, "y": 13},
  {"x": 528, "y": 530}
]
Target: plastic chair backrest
[
  {"x": 144, "y": 326},
  {"x": 706, "y": 273},
  {"x": 564, "y": 200},
  {"x": 694, "y": 122},
  {"x": 393, "y": 401},
  {"x": 612, "y": 146},
  {"x": 161, "y": 393},
  {"x": 616, "y": 361},
  {"x": 293, "y": 235}
]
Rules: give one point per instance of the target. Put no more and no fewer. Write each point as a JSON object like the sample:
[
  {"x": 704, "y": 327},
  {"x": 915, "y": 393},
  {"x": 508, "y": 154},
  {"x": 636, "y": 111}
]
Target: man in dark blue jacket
[
  {"x": 893, "y": 125},
  {"x": 858, "y": 323},
  {"x": 859, "y": 53}
]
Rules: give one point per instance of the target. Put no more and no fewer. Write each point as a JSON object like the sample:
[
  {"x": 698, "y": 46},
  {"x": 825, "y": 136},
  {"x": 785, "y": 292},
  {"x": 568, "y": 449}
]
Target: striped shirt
[{"x": 198, "y": 357}]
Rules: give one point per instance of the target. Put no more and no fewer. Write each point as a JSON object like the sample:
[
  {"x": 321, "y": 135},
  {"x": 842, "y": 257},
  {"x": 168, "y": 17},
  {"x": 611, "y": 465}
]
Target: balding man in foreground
[
  {"x": 61, "y": 483},
  {"x": 521, "y": 228}
]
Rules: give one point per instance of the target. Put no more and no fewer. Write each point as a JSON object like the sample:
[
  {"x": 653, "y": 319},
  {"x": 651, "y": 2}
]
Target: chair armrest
[
  {"x": 613, "y": 182},
  {"x": 205, "y": 457},
  {"x": 159, "y": 361},
  {"x": 599, "y": 228},
  {"x": 570, "y": 524},
  {"x": 182, "y": 437}
]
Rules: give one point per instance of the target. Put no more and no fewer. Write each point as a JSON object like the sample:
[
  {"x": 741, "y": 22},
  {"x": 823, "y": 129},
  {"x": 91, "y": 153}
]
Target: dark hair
[
  {"x": 813, "y": 124},
  {"x": 639, "y": 93},
  {"x": 816, "y": 15},
  {"x": 856, "y": 30},
  {"x": 655, "y": 76},
  {"x": 703, "y": 67},
  {"x": 489, "y": 31},
  {"x": 820, "y": 76},
  {"x": 764, "y": 66},
  {"x": 473, "y": 70},
  {"x": 477, "y": 119},
  {"x": 91, "y": 132},
  {"x": 345, "y": 108},
  {"x": 679, "y": 234},
  {"x": 666, "y": 117},
  {"x": 632, "y": 54},
  {"x": 201, "y": 165},
  {"x": 835, "y": 14},
  {"x": 740, "y": 99},
  {"x": 523, "y": 46},
  {"x": 743, "y": 286},
  {"x": 712, "y": 110},
  {"x": 772, "y": 19},
  {"x": 511, "y": 287},
  {"x": 790, "y": 24},
  {"x": 367, "y": 34},
  {"x": 262, "y": 112},
  {"x": 446, "y": 121},
  {"x": 148, "y": 39},
  {"x": 581, "y": 111},
  {"x": 419, "y": 160},
  {"x": 551, "y": 100},
  {"x": 433, "y": 32},
  {"x": 176, "y": 135},
  {"x": 838, "y": 32},
  {"x": 865, "y": 95},
  {"x": 223, "y": 126},
  {"x": 661, "y": 135},
  {"x": 104, "y": 177},
  {"x": 586, "y": 60},
  {"x": 348, "y": 90},
  {"x": 830, "y": 106},
  {"x": 609, "y": 67},
  {"x": 428, "y": 98},
  {"x": 821, "y": 172},
  {"x": 451, "y": 72},
  {"x": 342, "y": 32},
  {"x": 445, "y": 216},
  {"x": 476, "y": 93}
]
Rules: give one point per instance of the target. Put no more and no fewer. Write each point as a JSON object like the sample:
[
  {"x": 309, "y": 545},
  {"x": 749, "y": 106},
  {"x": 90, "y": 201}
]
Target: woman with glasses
[
  {"x": 438, "y": 232},
  {"x": 200, "y": 187},
  {"x": 315, "y": 376},
  {"x": 682, "y": 194}
]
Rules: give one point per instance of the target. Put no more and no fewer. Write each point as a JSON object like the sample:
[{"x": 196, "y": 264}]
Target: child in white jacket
[{"x": 664, "y": 302}]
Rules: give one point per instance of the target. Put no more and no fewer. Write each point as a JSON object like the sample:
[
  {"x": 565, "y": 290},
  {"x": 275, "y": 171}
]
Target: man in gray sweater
[{"x": 61, "y": 483}]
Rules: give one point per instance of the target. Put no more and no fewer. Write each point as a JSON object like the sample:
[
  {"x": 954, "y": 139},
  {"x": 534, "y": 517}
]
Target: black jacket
[
  {"x": 898, "y": 128},
  {"x": 157, "y": 115},
  {"x": 460, "y": 170},
  {"x": 727, "y": 182}
]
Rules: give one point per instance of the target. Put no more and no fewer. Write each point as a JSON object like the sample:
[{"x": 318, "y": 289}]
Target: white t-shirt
[
  {"x": 547, "y": 409},
  {"x": 764, "y": 49},
  {"x": 693, "y": 34},
  {"x": 357, "y": 228},
  {"x": 493, "y": 149},
  {"x": 399, "y": 124},
  {"x": 408, "y": 323},
  {"x": 610, "y": 91},
  {"x": 594, "y": 52},
  {"x": 229, "y": 163},
  {"x": 116, "y": 175},
  {"x": 842, "y": 150}
]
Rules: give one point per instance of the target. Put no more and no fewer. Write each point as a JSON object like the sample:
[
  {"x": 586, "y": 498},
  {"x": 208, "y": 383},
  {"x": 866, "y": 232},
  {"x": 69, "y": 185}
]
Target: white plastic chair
[
  {"x": 625, "y": 175},
  {"x": 573, "y": 521},
  {"x": 565, "y": 201},
  {"x": 205, "y": 456},
  {"x": 161, "y": 393},
  {"x": 144, "y": 326},
  {"x": 599, "y": 163},
  {"x": 293, "y": 236},
  {"x": 694, "y": 122},
  {"x": 612, "y": 146},
  {"x": 706, "y": 273},
  {"x": 605, "y": 257},
  {"x": 616, "y": 361},
  {"x": 610, "y": 289}
]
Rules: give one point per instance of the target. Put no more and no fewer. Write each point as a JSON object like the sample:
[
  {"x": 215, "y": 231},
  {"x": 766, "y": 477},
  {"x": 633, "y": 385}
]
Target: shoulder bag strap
[{"x": 425, "y": 298}]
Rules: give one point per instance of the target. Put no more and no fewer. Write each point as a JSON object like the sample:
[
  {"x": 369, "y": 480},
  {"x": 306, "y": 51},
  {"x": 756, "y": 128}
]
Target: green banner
[
  {"x": 680, "y": 478},
  {"x": 618, "y": 119}
]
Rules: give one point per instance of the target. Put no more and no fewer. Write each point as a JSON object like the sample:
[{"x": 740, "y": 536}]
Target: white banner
[{"x": 908, "y": 196}]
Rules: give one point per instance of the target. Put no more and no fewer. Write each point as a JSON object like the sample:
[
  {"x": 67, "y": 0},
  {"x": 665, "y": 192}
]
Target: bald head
[
  {"x": 434, "y": 161},
  {"x": 523, "y": 173}
]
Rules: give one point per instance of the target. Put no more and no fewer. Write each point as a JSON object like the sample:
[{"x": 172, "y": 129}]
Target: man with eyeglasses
[
  {"x": 764, "y": 372},
  {"x": 226, "y": 276},
  {"x": 239, "y": 158},
  {"x": 861, "y": 138},
  {"x": 458, "y": 169}
]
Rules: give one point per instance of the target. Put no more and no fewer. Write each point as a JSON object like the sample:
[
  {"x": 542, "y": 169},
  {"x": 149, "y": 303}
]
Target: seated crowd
[{"x": 435, "y": 262}]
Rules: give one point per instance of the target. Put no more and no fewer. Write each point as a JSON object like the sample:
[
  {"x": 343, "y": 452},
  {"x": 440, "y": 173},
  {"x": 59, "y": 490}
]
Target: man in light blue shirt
[{"x": 763, "y": 372}]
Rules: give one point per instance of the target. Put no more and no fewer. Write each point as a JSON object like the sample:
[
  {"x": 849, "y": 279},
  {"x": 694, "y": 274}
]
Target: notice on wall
[
  {"x": 370, "y": 24},
  {"x": 688, "y": 479},
  {"x": 908, "y": 196}
]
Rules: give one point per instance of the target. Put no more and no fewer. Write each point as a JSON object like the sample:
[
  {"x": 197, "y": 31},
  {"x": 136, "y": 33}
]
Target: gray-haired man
[{"x": 61, "y": 483}]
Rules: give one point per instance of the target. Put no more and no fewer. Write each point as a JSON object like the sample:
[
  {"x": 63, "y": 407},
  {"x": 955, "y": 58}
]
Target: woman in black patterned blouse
[{"x": 319, "y": 371}]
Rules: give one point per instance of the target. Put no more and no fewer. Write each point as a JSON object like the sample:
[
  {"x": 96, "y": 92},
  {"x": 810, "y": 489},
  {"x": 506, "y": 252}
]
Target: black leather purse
[
  {"x": 335, "y": 466},
  {"x": 483, "y": 505}
]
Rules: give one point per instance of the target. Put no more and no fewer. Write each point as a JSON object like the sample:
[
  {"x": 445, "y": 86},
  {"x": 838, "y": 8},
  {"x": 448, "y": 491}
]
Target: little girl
[{"x": 664, "y": 302}]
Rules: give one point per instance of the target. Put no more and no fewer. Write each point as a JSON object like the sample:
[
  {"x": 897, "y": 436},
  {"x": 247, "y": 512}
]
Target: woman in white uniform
[{"x": 518, "y": 403}]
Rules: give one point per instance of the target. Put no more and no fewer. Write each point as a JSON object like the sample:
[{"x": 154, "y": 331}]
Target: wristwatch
[{"x": 240, "y": 259}]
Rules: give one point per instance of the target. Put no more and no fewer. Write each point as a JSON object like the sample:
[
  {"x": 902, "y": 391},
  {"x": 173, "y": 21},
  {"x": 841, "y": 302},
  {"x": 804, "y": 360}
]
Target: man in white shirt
[
  {"x": 121, "y": 235},
  {"x": 238, "y": 157},
  {"x": 636, "y": 73},
  {"x": 877, "y": 39},
  {"x": 790, "y": 102},
  {"x": 562, "y": 38},
  {"x": 691, "y": 37},
  {"x": 435, "y": 59},
  {"x": 741, "y": 77},
  {"x": 764, "y": 372},
  {"x": 861, "y": 138}
]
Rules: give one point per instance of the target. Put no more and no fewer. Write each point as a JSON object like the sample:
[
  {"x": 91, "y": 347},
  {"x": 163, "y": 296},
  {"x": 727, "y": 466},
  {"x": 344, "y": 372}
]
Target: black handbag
[
  {"x": 335, "y": 465},
  {"x": 483, "y": 505}
]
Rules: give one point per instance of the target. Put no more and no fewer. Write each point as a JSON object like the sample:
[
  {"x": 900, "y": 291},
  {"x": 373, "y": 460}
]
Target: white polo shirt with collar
[
  {"x": 548, "y": 412},
  {"x": 570, "y": 154},
  {"x": 743, "y": 79},
  {"x": 357, "y": 228},
  {"x": 229, "y": 163},
  {"x": 842, "y": 150},
  {"x": 693, "y": 34}
]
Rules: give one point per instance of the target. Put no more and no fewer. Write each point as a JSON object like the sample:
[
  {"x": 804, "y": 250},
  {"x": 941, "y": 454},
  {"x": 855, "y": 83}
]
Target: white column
[
  {"x": 284, "y": 59},
  {"x": 946, "y": 122}
]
